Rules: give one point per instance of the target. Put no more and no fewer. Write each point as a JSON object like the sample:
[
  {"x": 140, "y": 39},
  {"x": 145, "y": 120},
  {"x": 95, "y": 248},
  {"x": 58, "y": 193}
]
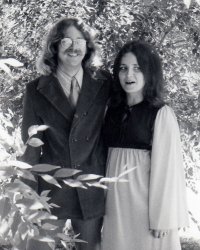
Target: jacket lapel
[
  {"x": 51, "y": 89},
  {"x": 90, "y": 87}
]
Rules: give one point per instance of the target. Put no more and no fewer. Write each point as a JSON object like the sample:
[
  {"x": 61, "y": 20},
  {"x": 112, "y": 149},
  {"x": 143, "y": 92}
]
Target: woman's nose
[{"x": 130, "y": 73}]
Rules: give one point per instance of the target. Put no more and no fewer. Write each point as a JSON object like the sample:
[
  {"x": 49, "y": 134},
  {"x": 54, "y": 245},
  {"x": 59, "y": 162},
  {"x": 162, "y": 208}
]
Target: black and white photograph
[{"x": 100, "y": 125}]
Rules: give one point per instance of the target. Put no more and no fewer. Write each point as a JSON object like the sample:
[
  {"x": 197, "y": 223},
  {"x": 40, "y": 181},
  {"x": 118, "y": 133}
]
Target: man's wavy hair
[
  {"x": 48, "y": 61},
  {"x": 150, "y": 65}
]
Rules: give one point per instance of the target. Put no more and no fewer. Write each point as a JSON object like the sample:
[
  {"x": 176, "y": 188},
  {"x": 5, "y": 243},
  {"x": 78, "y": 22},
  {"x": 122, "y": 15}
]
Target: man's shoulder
[
  {"x": 39, "y": 82},
  {"x": 32, "y": 85},
  {"x": 104, "y": 74},
  {"x": 99, "y": 74}
]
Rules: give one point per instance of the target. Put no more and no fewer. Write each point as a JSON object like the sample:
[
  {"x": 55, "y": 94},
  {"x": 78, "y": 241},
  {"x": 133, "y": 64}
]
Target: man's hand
[{"x": 160, "y": 233}]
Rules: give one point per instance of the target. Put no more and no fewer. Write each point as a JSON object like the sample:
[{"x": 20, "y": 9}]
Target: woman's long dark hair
[
  {"x": 48, "y": 61},
  {"x": 150, "y": 64}
]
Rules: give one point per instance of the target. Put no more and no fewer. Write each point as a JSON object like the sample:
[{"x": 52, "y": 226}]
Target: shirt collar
[{"x": 79, "y": 76}]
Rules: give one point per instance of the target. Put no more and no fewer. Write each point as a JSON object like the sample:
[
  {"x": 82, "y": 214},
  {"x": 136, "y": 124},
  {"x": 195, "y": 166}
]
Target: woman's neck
[{"x": 133, "y": 99}]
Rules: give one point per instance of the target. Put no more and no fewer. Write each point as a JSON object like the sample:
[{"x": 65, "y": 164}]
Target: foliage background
[{"x": 168, "y": 24}]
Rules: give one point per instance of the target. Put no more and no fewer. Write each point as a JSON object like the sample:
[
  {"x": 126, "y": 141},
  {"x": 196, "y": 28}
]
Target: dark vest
[{"x": 130, "y": 127}]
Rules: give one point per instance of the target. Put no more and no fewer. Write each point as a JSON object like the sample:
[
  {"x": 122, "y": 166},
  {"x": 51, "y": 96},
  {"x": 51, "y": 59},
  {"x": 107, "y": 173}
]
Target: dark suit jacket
[{"x": 72, "y": 141}]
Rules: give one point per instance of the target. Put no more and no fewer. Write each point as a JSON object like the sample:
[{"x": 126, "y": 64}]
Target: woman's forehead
[{"x": 129, "y": 58}]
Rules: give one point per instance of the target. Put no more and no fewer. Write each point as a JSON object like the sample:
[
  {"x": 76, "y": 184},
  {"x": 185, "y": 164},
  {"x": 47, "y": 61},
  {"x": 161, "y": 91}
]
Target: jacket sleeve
[
  {"x": 167, "y": 191},
  {"x": 32, "y": 154}
]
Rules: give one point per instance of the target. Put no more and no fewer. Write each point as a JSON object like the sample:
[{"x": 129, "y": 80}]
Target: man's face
[{"x": 72, "y": 48}]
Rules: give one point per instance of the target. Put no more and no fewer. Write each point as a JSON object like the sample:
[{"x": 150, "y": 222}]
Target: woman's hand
[{"x": 160, "y": 233}]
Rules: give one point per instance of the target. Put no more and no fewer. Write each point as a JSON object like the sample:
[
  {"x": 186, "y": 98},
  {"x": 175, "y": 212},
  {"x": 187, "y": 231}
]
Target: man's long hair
[
  {"x": 48, "y": 61},
  {"x": 150, "y": 65}
]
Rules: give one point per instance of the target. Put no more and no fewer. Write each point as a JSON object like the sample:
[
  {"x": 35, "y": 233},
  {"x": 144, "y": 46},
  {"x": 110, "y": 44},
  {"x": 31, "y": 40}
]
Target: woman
[{"x": 142, "y": 131}]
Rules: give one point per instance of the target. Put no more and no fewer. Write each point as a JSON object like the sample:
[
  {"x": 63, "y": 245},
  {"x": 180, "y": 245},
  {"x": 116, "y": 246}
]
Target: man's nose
[{"x": 74, "y": 43}]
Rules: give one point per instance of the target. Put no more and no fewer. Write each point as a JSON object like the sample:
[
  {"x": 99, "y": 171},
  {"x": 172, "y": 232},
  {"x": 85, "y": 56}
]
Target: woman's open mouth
[{"x": 129, "y": 83}]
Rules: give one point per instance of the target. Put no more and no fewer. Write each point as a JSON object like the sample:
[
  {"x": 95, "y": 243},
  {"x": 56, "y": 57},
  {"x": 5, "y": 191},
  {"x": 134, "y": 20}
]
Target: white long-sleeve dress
[{"x": 154, "y": 197}]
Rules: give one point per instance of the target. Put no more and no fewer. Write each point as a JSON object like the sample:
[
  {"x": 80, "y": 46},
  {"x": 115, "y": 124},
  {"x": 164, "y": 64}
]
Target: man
[{"x": 71, "y": 100}]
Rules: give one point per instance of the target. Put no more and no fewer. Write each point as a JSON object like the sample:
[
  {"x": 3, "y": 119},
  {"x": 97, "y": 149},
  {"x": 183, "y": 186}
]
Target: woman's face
[{"x": 130, "y": 75}]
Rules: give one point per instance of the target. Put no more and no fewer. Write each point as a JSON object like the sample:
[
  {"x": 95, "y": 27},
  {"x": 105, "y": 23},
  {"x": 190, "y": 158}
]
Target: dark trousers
[{"x": 88, "y": 230}]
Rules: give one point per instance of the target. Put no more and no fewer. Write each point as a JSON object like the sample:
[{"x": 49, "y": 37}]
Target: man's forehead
[{"x": 72, "y": 31}]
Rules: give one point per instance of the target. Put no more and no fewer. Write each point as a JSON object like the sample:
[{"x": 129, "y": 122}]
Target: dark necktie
[{"x": 74, "y": 92}]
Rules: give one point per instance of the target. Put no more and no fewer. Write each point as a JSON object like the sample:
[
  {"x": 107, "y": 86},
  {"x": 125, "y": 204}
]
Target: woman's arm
[{"x": 167, "y": 189}]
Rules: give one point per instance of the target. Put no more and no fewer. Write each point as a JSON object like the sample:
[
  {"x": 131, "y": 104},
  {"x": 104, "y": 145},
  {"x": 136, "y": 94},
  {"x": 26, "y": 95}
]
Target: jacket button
[
  {"x": 87, "y": 138},
  {"x": 76, "y": 116},
  {"x": 74, "y": 140},
  {"x": 76, "y": 165},
  {"x": 85, "y": 113}
]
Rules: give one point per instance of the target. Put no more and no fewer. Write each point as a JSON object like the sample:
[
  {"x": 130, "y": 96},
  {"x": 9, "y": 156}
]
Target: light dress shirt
[{"x": 65, "y": 79}]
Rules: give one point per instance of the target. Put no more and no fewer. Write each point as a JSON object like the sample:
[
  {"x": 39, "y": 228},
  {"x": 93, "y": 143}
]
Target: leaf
[
  {"x": 23, "y": 229},
  {"x": 18, "y": 185},
  {"x": 51, "y": 180},
  {"x": 13, "y": 62},
  {"x": 127, "y": 172},
  {"x": 19, "y": 164},
  {"x": 97, "y": 184},
  {"x": 32, "y": 130},
  {"x": 42, "y": 127},
  {"x": 28, "y": 176},
  {"x": 45, "y": 193},
  {"x": 65, "y": 172},
  {"x": 7, "y": 172},
  {"x": 74, "y": 183},
  {"x": 36, "y": 205},
  {"x": 122, "y": 180},
  {"x": 44, "y": 238},
  {"x": 49, "y": 226},
  {"x": 35, "y": 142},
  {"x": 53, "y": 205},
  {"x": 109, "y": 179},
  {"x": 64, "y": 237},
  {"x": 87, "y": 177},
  {"x": 198, "y": 2},
  {"x": 29, "y": 203},
  {"x": 42, "y": 168},
  {"x": 35, "y": 128},
  {"x": 187, "y": 3},
  {"x": 5, "y": 207},
  {"x": 64, "y": 244},
  {"x": 42, "y": 215},
  {"x": 5, "y": 68},
  {"x": 4, "y": 227},
  {"x": 16, "y": 221},
  {"x": 78, "y": 240}
]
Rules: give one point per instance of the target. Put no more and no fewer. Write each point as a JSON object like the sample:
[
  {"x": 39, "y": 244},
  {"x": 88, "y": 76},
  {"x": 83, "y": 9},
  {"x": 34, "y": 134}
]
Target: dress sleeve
[{"x": 167, "y": 190}]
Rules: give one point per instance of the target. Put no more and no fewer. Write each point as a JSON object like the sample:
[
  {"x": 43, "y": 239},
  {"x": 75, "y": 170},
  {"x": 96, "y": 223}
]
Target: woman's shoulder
[
  {"x": 167, "y": 115},
  {"x": 166, "y": 110}
]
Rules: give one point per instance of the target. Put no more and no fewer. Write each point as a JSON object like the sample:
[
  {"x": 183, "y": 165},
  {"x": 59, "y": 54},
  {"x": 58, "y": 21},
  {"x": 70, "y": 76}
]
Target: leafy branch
[{"x": 22, "y": 211}]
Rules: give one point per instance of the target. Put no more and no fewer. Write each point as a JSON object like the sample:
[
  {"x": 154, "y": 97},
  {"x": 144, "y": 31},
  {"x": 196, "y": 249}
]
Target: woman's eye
[
  {"x": 137, "y": 69},
  {"x": 122, "y": 68}
]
